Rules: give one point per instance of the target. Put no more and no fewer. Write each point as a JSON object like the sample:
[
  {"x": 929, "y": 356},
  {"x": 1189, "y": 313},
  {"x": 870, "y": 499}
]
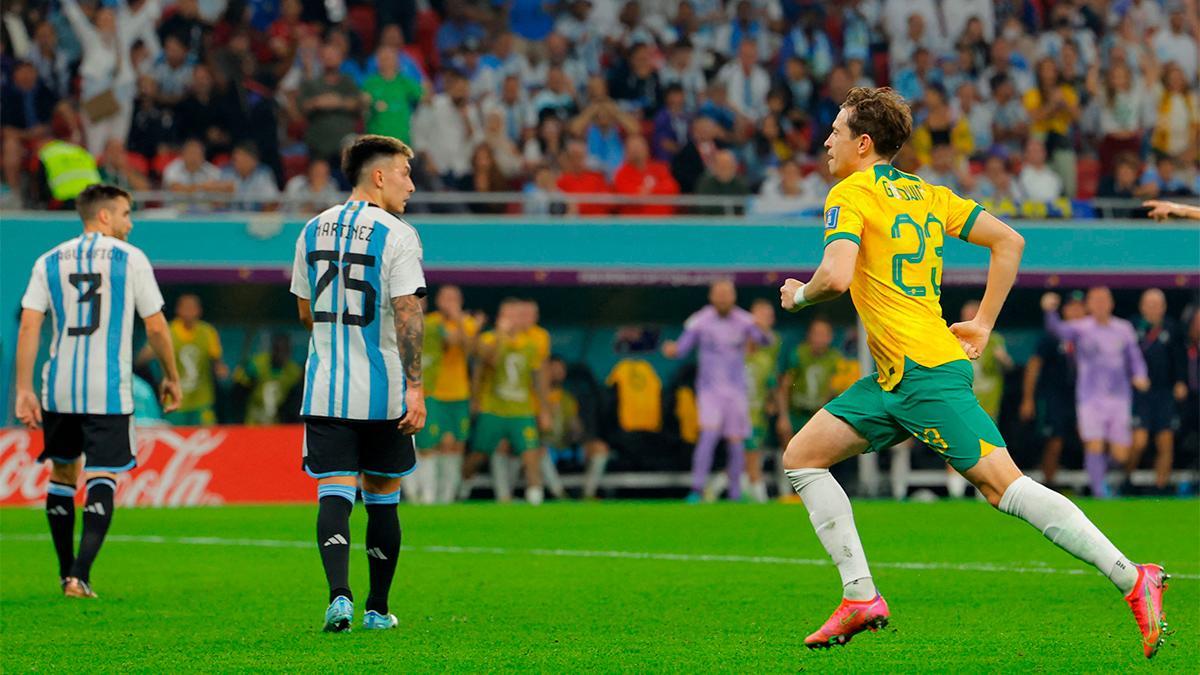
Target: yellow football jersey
[
  {"x": 453, "y": 381},
  {"x": 900, "y": 223}
]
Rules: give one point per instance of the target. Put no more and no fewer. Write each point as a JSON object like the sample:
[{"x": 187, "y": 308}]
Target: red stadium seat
[
  {"x": 294, "y": 165},
  {"x": 361, "y": 20},
  {"x": 161, "y": 160},
  {"x": 1087, "y": 177},
  {"x": 427, "y": 28},
  {"x": 138, "y": 162}
]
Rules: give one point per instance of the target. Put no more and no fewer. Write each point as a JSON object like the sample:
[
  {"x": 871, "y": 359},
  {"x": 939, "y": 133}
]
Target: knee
[
  {"x": 65, "y": 473},
  {"x": 794, "y": 457}
]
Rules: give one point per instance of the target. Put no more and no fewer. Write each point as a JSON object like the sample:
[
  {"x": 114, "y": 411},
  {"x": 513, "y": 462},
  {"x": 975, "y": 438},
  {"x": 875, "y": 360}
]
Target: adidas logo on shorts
[
  {"x": 335, "y": 540},
  {"x": 376, "y": 553}
]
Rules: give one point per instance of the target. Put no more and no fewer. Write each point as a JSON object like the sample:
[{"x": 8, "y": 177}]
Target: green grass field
[{"x": 626, "y": 586}]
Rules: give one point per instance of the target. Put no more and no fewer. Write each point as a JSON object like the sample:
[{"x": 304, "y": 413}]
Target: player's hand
[
  {"x": 787, "y": 294},
  {"x": 29, "y": 409},
  {"x": 1028, "y": 410},
  {"x": 1142, "y": 384},
  {"x": 1159, "y": 210},
  {"x": 670, "y": 349},
  {"x": 221, "y": 370},
  {"x": 1051, "y": 302},
  {"x": 783, "y": 427},
  {"x": 170, "y": 394},
  {"x": 973, "y": 336},
  {"x": 414, "y": 413},
  {"x": 1181, "y": 391},
  {"x": 504, "y": 325}
]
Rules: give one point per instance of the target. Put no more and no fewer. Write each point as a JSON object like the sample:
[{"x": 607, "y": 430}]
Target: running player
[
  {"x": 358, "y": 284},
  {"x": 90, "y": 285},
  {"x": 509, "y": 404},
  {"x": 721, "y": 332},
  {"x": 762, "y": 363},
  {"x": 884, "y": 233},
  {"x": 450, "y": 336}
]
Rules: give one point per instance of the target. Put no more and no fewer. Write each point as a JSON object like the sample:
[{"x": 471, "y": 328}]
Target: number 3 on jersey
[
  {"x": 346, "y": 262},
  {"x": 918, "y": 256}
]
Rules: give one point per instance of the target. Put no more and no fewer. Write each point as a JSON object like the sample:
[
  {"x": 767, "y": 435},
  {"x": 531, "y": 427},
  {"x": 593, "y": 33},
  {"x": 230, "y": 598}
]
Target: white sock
[
  {"x": 551, "y": 478},
  {"x": 534, "y": 495},
  {"x": 900, "y": 470},
  {"x": 428, "y": 470},
  {"x": 716, "y": 485},
  {"x": 451, "y": 475},
  {"x": 1063, "y": 523},
  {"x": 829, "y": 510},
  {"x": 758, "y": 490},
  {"x": 595, "y": 470},
  {"x": 956, "y": 485},
  {"x": 501, "y": 483}
]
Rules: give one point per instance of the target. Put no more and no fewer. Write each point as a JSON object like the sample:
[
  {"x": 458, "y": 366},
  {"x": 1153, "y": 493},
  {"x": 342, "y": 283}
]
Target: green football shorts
[
  {"x": 490, "y": 430},
  {"x": 441, "y": 418},
  {"x": 934, "y": 405}
]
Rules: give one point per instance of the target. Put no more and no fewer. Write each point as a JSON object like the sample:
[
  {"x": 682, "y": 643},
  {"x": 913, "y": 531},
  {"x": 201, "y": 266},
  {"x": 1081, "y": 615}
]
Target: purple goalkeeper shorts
[
  {"x": 725, "y": 411},
  {"x": 1106, "y": 418}
]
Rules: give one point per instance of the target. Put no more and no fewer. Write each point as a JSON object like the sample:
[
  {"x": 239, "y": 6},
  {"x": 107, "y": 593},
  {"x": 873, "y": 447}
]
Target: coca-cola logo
[{"x": 173, "y": 480}]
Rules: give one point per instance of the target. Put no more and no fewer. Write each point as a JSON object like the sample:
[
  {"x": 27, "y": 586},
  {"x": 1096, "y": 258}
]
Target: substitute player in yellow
[{"x": 884, "y": 233}]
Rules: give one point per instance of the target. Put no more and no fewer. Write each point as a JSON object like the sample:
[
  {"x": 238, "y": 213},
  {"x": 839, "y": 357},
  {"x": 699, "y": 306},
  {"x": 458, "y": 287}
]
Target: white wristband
[{"x": 799, "y": 300}]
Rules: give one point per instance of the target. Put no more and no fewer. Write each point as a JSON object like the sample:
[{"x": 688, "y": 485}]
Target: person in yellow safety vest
[{"x": 69, "y": 169}]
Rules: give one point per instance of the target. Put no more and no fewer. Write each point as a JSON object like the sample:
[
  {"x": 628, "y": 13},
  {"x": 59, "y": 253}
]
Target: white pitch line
[{"x": 1032, "y": 568}]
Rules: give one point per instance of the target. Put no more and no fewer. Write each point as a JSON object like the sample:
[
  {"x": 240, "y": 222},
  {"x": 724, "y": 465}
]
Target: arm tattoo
[{"x": 410, "y": 334}]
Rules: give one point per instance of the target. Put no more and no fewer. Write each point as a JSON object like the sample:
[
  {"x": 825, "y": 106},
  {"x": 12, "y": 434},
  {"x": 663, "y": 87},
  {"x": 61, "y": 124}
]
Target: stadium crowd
[{"x": 1020, "y": 104}]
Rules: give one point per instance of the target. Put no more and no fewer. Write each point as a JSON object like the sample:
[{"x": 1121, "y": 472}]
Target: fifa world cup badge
[{"x": 831, "y": 217}]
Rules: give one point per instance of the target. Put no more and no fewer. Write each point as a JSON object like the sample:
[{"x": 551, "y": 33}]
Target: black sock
[
  {"x": 383, "y": 548},
  {"x": 60, "y": 513},
  {"x": 333, "y": 540},
  {"x": 97, "y": 516}
]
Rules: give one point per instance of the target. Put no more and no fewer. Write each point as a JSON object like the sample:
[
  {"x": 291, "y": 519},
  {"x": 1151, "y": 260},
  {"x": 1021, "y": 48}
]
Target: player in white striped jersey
[
  {"x": 358, "y": 282},
  {"x": 90, "y": 286}
]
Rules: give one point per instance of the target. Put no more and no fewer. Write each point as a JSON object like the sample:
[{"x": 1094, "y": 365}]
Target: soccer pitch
[{"x": 619, "y": 586}]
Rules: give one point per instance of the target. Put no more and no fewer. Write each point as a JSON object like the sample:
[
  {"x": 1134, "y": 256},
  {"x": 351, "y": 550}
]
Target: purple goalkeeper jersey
[
  {"x": 721, "y": 342},
  {"x": 1106, "y": 354}
]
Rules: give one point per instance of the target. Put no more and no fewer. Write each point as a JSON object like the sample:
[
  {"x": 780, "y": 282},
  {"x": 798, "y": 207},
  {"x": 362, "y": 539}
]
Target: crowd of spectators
[{"x": 1015, "y": 101}]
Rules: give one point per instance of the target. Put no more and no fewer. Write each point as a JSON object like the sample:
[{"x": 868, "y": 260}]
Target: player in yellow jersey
[
  {"x": 511, "y": 409},
  {"x": 450, "y": 336},
  {"x": 528, "y": 315},
  {"x": 884, "y": 237}
]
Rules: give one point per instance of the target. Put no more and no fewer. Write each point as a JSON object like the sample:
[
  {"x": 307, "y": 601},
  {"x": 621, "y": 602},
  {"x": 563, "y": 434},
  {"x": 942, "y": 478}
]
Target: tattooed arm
[{"x": 410, "y": 337}]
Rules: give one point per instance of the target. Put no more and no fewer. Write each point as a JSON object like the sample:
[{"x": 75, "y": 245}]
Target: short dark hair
[
  {"x": 248, "y": 147},
  {"x": 97, "y": 196},
  {"x": 881, "y": 114},
  {"x": 367, "y": 149}
]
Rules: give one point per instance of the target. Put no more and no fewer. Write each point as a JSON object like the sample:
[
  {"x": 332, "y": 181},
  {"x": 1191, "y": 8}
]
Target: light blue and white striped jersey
[
  {"x": 350, "y": 262},
  {"x": 90, "y": 286}
]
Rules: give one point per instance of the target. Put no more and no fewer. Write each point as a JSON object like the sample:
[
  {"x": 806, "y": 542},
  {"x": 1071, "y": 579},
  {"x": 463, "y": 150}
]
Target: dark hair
[
  {"x": 97, "y": 196},
  {"x": 367, "y": 149},
  {"x": 881, "y": 114},
  {"x": 248, "y": 147}
]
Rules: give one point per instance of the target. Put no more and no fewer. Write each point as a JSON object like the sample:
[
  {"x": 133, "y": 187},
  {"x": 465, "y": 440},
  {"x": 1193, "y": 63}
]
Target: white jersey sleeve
[
  {"x": 147, "y": 297},
  {"x": 37, "y": 294},
  {"x": 300, "y": 285},
  {"x": 404, "y": 273}
]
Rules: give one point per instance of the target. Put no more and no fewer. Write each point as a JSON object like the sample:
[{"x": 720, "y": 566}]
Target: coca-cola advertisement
[{"x": 178, "y": 466}]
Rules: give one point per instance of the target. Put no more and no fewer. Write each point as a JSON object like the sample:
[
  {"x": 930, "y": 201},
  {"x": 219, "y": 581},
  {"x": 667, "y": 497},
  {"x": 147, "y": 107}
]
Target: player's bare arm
[
  {"x": 831, "y": 279},
  {"x": 158, "y": 337},
  {"x": 29, "y": 407},
  {"x": 1006, "y": 246},
  {"x": 1162, "y": 210},
  {"x": 304, "y": 309},
  {"x": 541, "y": 378},
  {"x": 410, "y": 337}
]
